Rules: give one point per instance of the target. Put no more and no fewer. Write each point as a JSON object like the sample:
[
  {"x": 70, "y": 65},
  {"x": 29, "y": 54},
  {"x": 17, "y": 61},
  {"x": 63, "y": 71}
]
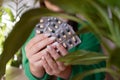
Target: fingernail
[
  {"x": 56, "y": 43},
  {"x": 52, "y": 38},
  {"x": 48, "y": 47},
  {"x": 42, "y": 58},
  {"x": 57, "y": 51},
  {"x": 47, "y": 34}
]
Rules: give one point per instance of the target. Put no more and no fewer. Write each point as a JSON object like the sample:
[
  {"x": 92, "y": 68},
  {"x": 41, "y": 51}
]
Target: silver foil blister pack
[{"x": 58, "y": 28}]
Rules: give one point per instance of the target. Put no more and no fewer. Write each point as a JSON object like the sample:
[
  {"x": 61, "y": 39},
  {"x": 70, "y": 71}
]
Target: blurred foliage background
[{"x": 103, "y": 17}]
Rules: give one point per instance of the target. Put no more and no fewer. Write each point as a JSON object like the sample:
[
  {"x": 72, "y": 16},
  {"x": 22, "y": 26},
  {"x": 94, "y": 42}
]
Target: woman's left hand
[{"x": 53, "y": 67}]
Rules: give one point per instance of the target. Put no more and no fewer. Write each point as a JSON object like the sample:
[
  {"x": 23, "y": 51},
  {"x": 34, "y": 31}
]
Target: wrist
[
  {"x": 66, "y": 73},
  {"x": 37, "y": 73}
]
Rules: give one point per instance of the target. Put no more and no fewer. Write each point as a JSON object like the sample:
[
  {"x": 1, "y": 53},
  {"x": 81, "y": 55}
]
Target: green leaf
[
  {"x": 94, "y": 11},
  {"x": 116, "y": 11},
  {"x": 104, "y": 16},
  {"x": 115, "y": 57},
  {"x": 2, "y": 69},
  {"x": 83, "y": 30},
  {"x": 22, "y": 29},
  {"x": 83, "y": 58},
  {"x": 1, "y": 13},
  {"x": 88, "y": 10},
  {"x": 86, "y": 73},
  {"x": 112, "y": 3},
  {"x": 9, "y": 12},
  {"x": 69, "y": 6}
]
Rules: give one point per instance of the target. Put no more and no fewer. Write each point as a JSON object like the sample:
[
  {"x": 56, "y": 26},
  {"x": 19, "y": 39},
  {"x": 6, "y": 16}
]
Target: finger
[
  {"x": 51, "y": 63},
  {"x": 53, "y": 46},
  {"x": 53, "y": 52},
  {"x": 37, "y": 69},
  {"x": 36, "y": 57},
  {"x": 60, "y": 48},
  {"x": 55, "y": 56},
  {"x": 46, "y": 66},
  {"x": 61, "y": 66},
  {"x": 36, "y": 39},
  {"x": 40, "y": 45},
  {"x": 37, "y": 64}
]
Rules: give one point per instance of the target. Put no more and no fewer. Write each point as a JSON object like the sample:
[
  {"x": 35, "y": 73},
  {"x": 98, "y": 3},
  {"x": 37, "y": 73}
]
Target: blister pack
[{"x": 58, "y": 28}]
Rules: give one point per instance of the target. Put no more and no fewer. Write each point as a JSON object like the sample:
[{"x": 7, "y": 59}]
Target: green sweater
[{"x": 88, "y": 42}]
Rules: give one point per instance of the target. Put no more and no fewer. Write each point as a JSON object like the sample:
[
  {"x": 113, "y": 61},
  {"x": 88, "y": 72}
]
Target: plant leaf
[
  {"x": 83, "y": 30},
  {"x": 9, "y": 12},
  {"x": 22, "y": 29},
  {"x": 83, "y": 58},
  {"x": 84, "y": 8},
  {"x": 84, "y": 74},
  {"x": 112, "y": 3},
  {"x": 68, "y": 6},
  {"x": 115, "y": 57}
]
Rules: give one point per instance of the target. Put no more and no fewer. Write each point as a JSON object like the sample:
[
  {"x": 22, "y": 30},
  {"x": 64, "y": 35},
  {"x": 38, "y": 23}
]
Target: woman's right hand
[{"x": 34, "y": 52}]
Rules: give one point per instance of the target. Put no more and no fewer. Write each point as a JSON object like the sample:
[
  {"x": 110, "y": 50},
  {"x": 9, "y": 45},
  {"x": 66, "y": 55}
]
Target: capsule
[
  {"x": 41, "y": 21},
  {"x": 64, "y": 45}
]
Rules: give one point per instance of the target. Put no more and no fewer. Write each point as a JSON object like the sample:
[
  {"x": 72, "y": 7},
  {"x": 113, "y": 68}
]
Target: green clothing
[{"x": 88, "y": 42}]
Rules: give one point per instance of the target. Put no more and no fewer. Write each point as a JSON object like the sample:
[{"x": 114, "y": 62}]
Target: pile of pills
[{"x": 58, "y": 28}]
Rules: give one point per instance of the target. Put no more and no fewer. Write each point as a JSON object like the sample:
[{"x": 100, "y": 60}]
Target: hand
[
  {"x": 53, "y": 67},
  {"x": 34, "y": 51}
]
